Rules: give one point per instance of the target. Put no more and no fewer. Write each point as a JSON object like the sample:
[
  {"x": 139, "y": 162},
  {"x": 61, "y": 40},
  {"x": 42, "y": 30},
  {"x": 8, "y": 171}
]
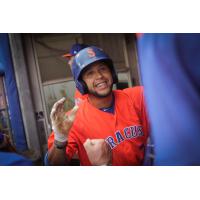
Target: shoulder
[
  {"x": 79, "y": 97},
  {"x": 134, "y": 95},
  {"x": 133, "y": 92},
  {"x": 138, "y": 90}
]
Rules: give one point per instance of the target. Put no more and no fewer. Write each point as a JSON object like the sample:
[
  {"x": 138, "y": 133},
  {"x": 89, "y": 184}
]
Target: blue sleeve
[{"x": 170, "y": 72}]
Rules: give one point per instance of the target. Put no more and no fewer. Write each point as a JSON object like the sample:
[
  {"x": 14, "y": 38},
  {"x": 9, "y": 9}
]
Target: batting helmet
[{"x": 86, "y": 57}]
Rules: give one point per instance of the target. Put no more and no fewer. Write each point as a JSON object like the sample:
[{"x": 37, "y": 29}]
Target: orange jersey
[
  {"x": 126, "y": 130},
  {"x": 79, "y": 97}
]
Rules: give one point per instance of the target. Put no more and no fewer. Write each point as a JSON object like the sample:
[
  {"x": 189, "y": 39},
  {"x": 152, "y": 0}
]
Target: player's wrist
[
  {"x": 59, "y": 136},
  {"x": 60, "y": 145},
  {"x": 60, "y": 140}
]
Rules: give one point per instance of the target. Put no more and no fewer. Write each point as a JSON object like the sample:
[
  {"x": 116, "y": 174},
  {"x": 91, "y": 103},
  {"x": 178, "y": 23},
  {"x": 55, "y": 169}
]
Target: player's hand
[
  {"x": 98, "y": 151},
  {"x": 61, "y": 122}
]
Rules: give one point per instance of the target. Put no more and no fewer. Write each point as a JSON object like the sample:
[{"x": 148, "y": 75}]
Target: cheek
[
  {"x": 89, "y": 83},
  {"x": 109, "y": 77}
]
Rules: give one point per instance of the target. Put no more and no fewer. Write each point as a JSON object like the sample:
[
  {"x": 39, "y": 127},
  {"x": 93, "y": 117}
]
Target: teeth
[{"x": 101, "y": 84}]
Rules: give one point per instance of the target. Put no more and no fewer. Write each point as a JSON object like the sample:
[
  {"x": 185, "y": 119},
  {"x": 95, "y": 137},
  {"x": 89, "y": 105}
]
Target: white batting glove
[
  {"x": 62, "y": 123},
  {"x": 98, "y": 151}
]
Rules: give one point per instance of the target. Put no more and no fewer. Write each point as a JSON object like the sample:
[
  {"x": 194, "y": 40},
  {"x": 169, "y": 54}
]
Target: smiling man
[
  {"x": 102, "y": 85},
  {"x": 109, "y": 128}
]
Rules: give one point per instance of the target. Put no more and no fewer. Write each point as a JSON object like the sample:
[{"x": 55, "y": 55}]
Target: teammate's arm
[{"x": 61, "y": 125}]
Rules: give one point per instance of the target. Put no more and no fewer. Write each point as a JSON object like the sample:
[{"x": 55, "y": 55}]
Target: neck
[{"x": 99, "y": 103}]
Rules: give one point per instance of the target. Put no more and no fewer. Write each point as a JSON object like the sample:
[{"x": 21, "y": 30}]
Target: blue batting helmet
[{"x": 86, "y": 57}]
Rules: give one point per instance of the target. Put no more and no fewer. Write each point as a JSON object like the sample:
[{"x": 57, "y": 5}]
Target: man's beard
[{"x": 94, "y": 93}]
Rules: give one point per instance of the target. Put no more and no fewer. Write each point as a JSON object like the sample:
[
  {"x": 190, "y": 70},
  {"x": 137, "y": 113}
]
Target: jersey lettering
[
  {"x": 133, "y": 131},
  {"x": 119, "y": 137},
  {"x": 139, "y": 130},
  {"x": 110, "y": 141},
  {"x": 127, "y": 134}
]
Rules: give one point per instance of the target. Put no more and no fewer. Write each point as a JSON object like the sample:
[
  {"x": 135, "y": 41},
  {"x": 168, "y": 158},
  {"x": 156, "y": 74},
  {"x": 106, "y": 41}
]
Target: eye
[
  {"x": 103, "y": 68},
  {"x": 89, "y": 73}
]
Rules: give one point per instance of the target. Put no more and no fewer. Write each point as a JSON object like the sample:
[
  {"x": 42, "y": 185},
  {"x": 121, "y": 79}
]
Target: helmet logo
[{"x": 91, "y": 53}]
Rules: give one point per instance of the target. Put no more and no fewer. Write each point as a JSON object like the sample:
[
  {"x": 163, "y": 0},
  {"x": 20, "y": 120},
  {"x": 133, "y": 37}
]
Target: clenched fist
[
  {"x": 62, "y": 123},
  {"x": 98, "y": 151}
]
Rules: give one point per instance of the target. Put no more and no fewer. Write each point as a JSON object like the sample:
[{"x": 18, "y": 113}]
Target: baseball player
[
  {"x": 109, "y": 127},
  {"x": 170, "y": 64},
  {"x": 70, "y": 57}
]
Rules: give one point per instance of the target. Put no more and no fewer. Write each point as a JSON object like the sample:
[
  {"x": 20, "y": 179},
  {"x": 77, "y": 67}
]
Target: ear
[{"x": 84, "y": 86}]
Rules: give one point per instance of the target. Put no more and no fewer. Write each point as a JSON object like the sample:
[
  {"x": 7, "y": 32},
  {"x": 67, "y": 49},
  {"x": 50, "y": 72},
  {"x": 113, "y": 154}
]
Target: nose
[{"x": 99, "y": 74}]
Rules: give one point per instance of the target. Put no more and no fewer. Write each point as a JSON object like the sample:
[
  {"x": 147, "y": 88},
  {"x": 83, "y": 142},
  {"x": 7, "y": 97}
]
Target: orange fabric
[
  {"x": 78, "y": 95},
  {"x": 127, "y": 128}
]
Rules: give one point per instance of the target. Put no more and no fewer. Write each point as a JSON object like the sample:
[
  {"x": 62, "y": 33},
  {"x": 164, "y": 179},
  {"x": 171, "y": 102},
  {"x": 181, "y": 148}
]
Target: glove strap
[{"x": 59, "y": 136}]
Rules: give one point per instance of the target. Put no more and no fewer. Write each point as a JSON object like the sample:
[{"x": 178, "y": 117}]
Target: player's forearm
[
  {"x": 57, "y": 156},
  {"x": 61, "y": 125}
]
